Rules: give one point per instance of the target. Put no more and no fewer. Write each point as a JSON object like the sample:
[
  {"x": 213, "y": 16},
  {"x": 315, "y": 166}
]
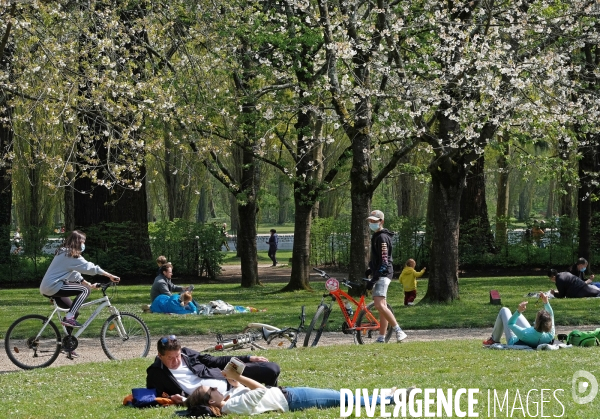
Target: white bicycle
[
  {"x": 34, "y": 341},
  {"x": 256, "y": 334}
]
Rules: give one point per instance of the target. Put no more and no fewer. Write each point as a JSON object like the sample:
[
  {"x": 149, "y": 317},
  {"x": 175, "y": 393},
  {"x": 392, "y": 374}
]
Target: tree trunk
[
  {"x": 503, "y": 200},
  {"x": 361, "y": 177},
  {"x": 443, "y": 263},
  {"x": 282, "y": 198},
  {"x": 550, "y": 212},
  {"x": 587, "y": 165},
  {"x": 201, "y": 210},
  {"x": 474, "y": 220},
  {"x": 525, "y": 203},
  {"x": 246, "y": 244},
  {"x": 115, "y": 206},
  {"x": 403, "y": 193},
  {"x": 299, "y": 279}
]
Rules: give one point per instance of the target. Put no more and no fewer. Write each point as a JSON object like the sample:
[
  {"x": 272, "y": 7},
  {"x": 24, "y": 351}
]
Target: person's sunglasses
[
  {"x": 166, "y": 339},
  {"x": 208, "y": 394}
]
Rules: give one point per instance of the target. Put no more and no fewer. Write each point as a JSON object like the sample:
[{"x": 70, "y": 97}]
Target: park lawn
[
  {"x": 283, "y": 257},
  {"x": 287, "y": 228},
  {"x": 96, "y": 390},
  {"x": 283, "y": 309}
]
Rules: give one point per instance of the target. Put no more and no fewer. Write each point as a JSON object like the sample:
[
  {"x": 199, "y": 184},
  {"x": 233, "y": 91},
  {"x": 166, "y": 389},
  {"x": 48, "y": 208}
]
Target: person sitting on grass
[
  {"x": 162, "y": 283},
  {"x": 517, "y": 329},
  {"x": 248, "y": 397}
]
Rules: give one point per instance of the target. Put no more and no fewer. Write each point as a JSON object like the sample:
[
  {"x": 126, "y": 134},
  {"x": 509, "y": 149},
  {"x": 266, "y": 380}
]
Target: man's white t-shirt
[{"x": 189, "y": 382}]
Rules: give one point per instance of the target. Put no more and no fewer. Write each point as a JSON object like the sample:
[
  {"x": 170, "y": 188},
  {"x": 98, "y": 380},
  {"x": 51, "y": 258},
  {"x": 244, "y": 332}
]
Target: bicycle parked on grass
[
  {"x": 34, "y": 341},
  {"x": 255, "y": 334},
  {"x": 360, "y": 321}
]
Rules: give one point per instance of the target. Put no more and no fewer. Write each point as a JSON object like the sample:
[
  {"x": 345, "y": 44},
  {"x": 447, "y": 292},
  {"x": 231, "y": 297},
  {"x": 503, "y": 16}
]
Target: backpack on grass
[{"x": 579, "y": 338}]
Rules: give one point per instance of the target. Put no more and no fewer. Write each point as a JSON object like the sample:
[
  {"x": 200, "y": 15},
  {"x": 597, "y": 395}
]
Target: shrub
[{"x": 193, "y": 249}]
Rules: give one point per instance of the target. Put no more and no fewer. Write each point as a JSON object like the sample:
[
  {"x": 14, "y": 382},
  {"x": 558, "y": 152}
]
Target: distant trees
[{"x": 327, "y": 94}]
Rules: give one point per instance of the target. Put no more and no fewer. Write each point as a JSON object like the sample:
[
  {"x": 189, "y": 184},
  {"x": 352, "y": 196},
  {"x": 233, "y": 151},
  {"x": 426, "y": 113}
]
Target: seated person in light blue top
[
  {"x": 176, "y": 304},
  {"x": 517, "y": 329}
]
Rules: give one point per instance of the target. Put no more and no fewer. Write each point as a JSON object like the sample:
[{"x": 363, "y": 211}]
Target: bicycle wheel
[
  {"x": 27, "y": 351},
  {"x": 363, "y": 320},
  {"x": 132, "y": 341},
  {"x": 317, "y": 325},
  {"x": 279, "y": 342},
  {"x": 257, "y": 335}
]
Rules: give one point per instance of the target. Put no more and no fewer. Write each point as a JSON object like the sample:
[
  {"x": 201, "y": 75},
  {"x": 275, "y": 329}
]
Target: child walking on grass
[{"x": 408, "y": 279}]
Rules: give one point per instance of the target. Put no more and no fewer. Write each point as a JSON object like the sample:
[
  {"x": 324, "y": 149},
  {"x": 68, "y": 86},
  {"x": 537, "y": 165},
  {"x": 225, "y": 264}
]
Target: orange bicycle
[{"x": 360, "y": 322}]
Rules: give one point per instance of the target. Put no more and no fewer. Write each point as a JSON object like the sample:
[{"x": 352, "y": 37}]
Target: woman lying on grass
[
  {"x": 248, "y": 397},
  {"x": 517, "y": 329}
]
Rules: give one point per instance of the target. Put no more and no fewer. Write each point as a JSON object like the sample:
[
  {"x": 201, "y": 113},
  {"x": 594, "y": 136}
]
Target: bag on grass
[
  {"x": 579, "y": 338},
  {"x": 221, "y": 307}
]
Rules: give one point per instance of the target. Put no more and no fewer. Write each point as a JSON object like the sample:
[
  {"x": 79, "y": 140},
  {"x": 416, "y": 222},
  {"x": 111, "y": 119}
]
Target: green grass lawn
[
  {"x": 283, "y": 309},
  {"x": 96, "y": 390},
  {"x": 283, "y": 256},
  {"x": 287, "y": 228}
]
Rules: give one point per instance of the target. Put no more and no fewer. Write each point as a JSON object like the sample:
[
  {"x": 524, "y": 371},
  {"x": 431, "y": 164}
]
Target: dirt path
[{"x": 90, "y": 350}]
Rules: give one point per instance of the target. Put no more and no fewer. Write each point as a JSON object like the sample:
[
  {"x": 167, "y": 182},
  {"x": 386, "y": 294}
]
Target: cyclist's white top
[
  {"x": 244, "y": 401},
  {"x": 66, "y": 269}
]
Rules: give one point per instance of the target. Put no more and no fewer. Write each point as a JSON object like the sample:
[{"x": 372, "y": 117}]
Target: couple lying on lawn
[{"x": 203, "y": 384}]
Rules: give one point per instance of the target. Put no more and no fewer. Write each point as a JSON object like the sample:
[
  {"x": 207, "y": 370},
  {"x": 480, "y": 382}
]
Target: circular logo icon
[
  {"x": 332, "y": 284},
  {"x": 578, "y": 387}
]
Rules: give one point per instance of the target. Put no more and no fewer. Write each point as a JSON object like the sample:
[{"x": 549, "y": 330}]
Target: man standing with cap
[{"x": 382, "y": 270}]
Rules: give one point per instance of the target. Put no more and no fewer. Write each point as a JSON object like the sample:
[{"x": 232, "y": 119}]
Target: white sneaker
[
  {"x": 380, "y": 339},
  {"x": 400, "y": 335}
]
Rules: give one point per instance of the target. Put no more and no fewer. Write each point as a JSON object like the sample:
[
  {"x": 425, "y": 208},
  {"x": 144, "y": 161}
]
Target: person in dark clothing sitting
[
  {"x": 177, "y": 371},
  {"x": 570, "y": 286},
  {"x": 579, "y": 271}
]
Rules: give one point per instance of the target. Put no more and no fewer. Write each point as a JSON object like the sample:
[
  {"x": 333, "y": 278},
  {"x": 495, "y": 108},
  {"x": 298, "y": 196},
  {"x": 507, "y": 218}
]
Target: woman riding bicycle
[{"x": 63, "y": 278}]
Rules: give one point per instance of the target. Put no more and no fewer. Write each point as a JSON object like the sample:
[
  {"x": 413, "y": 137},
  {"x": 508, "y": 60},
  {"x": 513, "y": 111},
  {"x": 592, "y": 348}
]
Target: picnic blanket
[{"x": 542, "y": 347}]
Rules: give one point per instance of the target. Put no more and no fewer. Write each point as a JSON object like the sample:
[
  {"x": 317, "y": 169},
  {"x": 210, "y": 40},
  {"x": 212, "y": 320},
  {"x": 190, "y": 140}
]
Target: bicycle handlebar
[
  {"x": 346, "y": 282},
  {"x": 323, "y": 273},
  {"x": 104, "y": 286}
]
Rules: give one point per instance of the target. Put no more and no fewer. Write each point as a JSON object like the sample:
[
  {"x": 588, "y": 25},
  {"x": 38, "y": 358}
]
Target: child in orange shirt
[{"x": 408, "y": 278}]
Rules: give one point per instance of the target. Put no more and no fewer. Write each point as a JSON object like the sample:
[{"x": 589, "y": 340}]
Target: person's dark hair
[
  {"x": 581, "y": 261},
  {"x": 543, "y": 321},
  {"x": 552, "y": 272},
  {"x": 166, "y": 266},
  {"x": 273, "y": 230},
  {"x": 73, "y": 244},
  {"x": 201, "y": 398},
  {"x": 168, "y": 343}
]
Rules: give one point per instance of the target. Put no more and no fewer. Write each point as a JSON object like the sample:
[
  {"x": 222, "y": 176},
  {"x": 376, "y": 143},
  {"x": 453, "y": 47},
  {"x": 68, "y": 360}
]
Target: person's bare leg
[{"x": 385, "y": 315}]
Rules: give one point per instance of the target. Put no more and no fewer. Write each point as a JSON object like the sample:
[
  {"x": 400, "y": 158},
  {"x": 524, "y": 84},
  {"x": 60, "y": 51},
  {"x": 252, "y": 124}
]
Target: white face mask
[
  {"x": 374, "y": 226},
  {"x": 82, "y": 247}
]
